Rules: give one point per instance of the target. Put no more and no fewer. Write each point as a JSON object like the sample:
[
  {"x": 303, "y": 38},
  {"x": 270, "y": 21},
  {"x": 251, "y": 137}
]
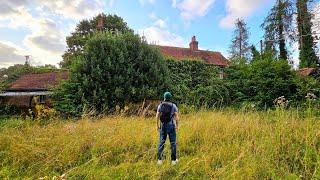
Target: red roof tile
[
  {"x": 41, "y": 81},
  {"x": 210, "y": 57},
  {"x": 304, "y": 72}
]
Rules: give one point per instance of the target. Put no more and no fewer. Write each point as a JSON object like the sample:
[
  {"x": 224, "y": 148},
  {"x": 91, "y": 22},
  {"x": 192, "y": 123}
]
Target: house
[
  {"x": 21, "y": 93},
  {"x": 194, "y": 53}
]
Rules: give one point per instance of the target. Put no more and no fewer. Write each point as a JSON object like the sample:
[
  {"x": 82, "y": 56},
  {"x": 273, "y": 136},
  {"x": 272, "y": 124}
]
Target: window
[
  {"x": 42, "y": 99},
  {"x": 221, "y": 73}
]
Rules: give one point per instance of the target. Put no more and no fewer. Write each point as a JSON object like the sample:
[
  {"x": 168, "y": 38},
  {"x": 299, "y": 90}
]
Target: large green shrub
[
  {"x": 112, "y": 71},
  {"x": 261, "y": 81},
  {"x": 196, "y": 84}
]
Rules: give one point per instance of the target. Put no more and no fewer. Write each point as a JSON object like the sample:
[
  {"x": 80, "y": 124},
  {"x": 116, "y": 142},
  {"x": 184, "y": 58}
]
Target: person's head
[{"x": 167, "y": 96}]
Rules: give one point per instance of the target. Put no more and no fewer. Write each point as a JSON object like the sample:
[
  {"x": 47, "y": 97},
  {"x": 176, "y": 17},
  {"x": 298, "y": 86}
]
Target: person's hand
[
  {"x": 158, "y": 128},
  {"x": 177, "y": 128}
]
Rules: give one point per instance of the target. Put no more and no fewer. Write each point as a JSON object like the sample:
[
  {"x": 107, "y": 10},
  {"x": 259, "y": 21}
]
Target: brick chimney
[{"x": 193, "y": 44}]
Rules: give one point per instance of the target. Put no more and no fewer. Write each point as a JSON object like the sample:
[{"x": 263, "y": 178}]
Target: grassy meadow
[{"x": 211, "y": 144}]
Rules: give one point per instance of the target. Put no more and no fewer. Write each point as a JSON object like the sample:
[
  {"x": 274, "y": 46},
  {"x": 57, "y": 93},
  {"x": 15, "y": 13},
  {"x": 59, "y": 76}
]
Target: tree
[
  {"x": 307, "y": 53},
  {"x": 255, "y": 55},
  {"x": 86, "y": 28},
  {"x": 278, "y": 26},
  {"x": 239, "y": 47},
  {"x": 112, "y": 71}
]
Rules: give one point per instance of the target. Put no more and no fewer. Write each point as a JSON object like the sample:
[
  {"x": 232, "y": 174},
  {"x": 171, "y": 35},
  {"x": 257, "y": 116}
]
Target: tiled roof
[
  {"x": 304, "y": 72},
  {"x": 210, "y": 57},
  {"x": 36, "y": 82}
]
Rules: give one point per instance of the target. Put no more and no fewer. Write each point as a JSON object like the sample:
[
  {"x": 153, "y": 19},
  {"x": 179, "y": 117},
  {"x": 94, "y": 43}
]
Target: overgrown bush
[
  {"x": 261, "y": 82},
  {"x": 196, "y": 84},
  {"x": 112, "y": 71},
  {"x": 9, "y": 110}
]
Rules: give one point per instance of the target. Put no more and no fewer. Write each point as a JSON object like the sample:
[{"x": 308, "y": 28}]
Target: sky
[{"x": 39, "y": 27}]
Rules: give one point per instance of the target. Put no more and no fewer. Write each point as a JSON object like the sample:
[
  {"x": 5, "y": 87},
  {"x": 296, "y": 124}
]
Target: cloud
[
  {"x": 10, "y": 54},
  {"x": 47, "y": 37},
  {"x": 238, "y": 9},
  {"x": 191, "y": 9},
  {"x": 162, "y": 36},
  {"x": 161, "y": 23},
  {"x": 74, "y": 9},
  {"x": 46, "y": 40},
  {"x": 143, "y": 2},
  {"x": 111, "y": 2},
  {"x": 69, "y": 9}
]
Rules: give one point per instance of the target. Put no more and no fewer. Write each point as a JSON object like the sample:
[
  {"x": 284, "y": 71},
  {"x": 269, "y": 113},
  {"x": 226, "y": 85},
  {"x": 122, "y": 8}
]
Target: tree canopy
[
  {"x": 278, "y": 27},
  {"x": 307, "y": 53},
  {"x": 86, "y": 28},
  {"x": 112, "y": 71}
]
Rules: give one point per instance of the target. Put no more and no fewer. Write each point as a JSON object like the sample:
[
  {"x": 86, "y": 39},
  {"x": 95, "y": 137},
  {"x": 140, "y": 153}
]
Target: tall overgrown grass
[{"x": 216, "y": 144}]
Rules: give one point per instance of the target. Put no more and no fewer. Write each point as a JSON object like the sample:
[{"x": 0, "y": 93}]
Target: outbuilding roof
[
  {"x": 38, "y": 82},
  {"x": 304, "y": 72}
]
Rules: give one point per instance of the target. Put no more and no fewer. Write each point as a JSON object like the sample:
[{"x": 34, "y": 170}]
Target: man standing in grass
[{"x": 167, "y": 124}]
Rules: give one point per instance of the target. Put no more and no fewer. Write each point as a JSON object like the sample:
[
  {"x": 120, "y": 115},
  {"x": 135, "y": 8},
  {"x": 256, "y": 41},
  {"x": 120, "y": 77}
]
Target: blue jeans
[{"x": 168, "y": 129}]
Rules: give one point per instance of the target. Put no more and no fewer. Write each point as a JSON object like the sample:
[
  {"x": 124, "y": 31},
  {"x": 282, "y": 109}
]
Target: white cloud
[
  {"x": 111, "y": 2},
  {"x": 162, "y": 36},
  {"x": 46, "y": 37},
  {"x": 153, "y": 16},
  {"x": 238, "y": 9},
  {"x": 191, "y": 9},
  {"x": 143, "y": 2},
  {"x": 74, "y": 9},
  {"x": 11, "y": 54},
  {"x": 46, "y": 40},
  {"x": 158, "y": 33},
  {"x": 161, "y": 23}
]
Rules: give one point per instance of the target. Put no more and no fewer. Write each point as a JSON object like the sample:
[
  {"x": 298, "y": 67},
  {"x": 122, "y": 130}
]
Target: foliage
[
  {"x": 85, "y": 29},
  {"x": 113, "y": 70},
  {"x": 255, "y": 54},
  {"x": 278, "y": 26},
  {"x": 307, "y": 53},
  {"x": 211, "y": 145},
  {"x": 261, "y": 81},
  {"x": 9, "y": 110},
  {"x": 306, "y": 85},
  {"x": 196, "y": 84},
  {"x": 239, "y": 47}
]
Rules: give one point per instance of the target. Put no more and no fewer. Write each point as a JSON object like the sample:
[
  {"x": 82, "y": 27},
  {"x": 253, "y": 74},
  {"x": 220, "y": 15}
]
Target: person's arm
[
  {"x": 176, "y": 115},
  {"x": 158, "y": 120}
]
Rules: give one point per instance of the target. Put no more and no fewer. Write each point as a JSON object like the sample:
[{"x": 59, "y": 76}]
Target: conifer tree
[
  {"x": 240, "y": 47},
  {"x": 278, "y": 26},
  {"x": 255, "y": 55},
  {"x": 307, "y": 54}
]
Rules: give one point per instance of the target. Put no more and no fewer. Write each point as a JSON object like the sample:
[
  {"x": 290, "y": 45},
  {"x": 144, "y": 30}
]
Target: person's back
[{"x": 167, "y": 124}]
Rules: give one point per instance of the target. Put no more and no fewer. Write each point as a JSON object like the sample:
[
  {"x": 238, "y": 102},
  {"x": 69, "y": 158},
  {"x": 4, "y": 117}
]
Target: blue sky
[{"x": 39, "y": 27}]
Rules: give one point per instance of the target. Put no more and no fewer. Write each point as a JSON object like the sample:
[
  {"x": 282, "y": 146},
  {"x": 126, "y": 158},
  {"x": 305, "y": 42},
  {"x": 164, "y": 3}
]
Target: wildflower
[
  {"x": 280, "y": 101},
  {"x": 311, "y": 96}
]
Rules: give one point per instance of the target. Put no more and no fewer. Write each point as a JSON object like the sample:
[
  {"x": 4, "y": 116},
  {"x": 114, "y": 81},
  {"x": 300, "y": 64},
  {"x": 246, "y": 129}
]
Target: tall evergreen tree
[
  {"x": 84, "y": 31},
  {"x": 240, "y": 47},
  {"x": 255, "y": 55},
  {"x": 278, "y": 26},
  {"x": 307, "y": 54}
]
